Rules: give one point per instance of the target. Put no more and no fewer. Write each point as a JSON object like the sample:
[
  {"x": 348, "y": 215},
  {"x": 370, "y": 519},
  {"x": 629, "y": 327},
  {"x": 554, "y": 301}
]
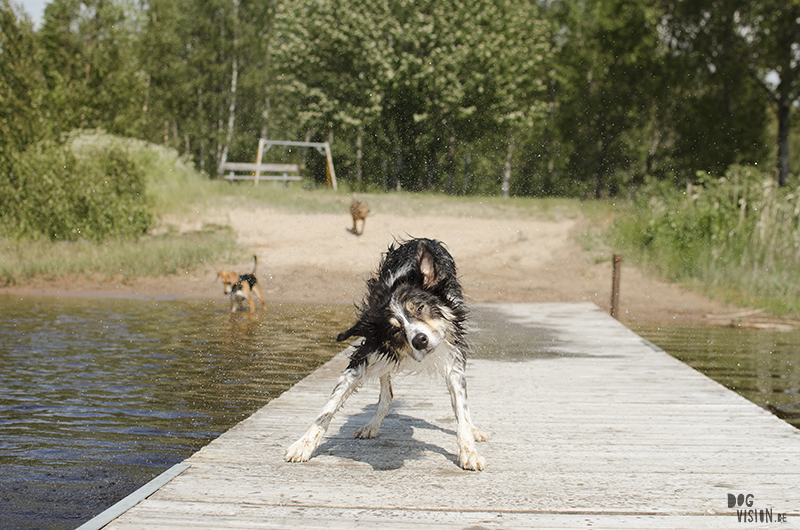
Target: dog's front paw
[
  {"x": 302, "y": 449},
  {"x": 367, "y": 431},
  {"x": 471, "y": 460}
]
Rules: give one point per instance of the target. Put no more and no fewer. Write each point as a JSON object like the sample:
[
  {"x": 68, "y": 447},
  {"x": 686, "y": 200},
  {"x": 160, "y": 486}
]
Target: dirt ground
[{"x": 316, "y": 258}]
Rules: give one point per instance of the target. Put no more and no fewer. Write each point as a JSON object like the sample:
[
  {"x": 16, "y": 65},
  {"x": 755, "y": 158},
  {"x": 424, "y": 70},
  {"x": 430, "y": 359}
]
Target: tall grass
[
  {"x": 736, "y": 237},
  {"x": 22, "y": 261}
]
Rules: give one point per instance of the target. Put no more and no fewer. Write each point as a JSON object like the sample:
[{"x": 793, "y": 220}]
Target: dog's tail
[{"x": 255, "y": 263}]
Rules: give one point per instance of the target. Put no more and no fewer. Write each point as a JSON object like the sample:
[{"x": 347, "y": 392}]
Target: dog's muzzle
[
  {"x": 421, "y": 345},
  {"x": 420, "y": 342}
]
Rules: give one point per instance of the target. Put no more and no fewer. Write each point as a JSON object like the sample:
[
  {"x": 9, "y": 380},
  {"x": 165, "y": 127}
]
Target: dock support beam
[{"x": 615, "y": 279}]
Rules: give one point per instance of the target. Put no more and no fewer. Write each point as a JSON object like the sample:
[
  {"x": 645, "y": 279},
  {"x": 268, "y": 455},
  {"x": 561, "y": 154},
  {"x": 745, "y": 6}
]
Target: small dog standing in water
[
  {"x": 412, "y": 319},
  {"x": 359, "y": 210},
  {"x": 240, "y": 287}
]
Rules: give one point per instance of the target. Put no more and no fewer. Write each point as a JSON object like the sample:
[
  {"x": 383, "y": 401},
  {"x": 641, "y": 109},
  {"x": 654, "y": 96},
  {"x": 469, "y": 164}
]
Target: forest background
[{"x": 683, "y": 107}]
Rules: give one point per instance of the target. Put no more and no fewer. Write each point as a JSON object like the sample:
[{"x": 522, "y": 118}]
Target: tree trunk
[
  {"x": 784, "y": 125},
  {"x": 359, "y": 155},
  {"x": 600, "y": 174},
  {"x": 201, "y": 121},
  {"x": 451, "y": 164},
  {"x": 432, "y": 167},
  {"x": 399, "y": 168},
  {"x": 234, "y": 81},
  {"x": 304, "y": 151},
  {"x": 507, "y": 172},
  {"x": 145, "y": 105},
  {"x": 467, "y": 172},
  {"x": 265, "y": 115}
]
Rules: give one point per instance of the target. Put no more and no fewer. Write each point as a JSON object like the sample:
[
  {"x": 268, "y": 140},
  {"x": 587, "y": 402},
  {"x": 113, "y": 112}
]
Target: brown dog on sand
[{"x": 359, "y": 211}]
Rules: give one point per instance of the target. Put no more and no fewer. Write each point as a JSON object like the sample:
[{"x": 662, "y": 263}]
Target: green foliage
[
  {"x": 715, "y": 111},
  {"x": 171, "y": 181},
  {"x": 90, "y": 65},
  {"x": 568, "y": 97},
  {"x": 738, "y": 235},
  {"x": 74, "y": 190},
  {"x": 20, "y": 83},
  {"x": 420, "y": 84},
  {"x": 209, "y": 80},
  {"x": 605, "y": 93}
]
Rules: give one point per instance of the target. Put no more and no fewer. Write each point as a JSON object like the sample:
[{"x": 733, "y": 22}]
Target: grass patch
[{"x": 149, "y": 256}]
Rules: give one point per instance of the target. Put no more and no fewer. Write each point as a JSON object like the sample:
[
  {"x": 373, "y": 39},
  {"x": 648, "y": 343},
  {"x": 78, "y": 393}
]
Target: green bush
[
  {"x": 55, "y": 191},
  {"x": 172, "y": 183}
]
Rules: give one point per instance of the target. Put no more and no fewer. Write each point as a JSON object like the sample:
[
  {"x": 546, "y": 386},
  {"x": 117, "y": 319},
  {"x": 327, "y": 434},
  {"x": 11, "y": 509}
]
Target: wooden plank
[
  {"x": 262, "y": 177},
  {"x": 589, "y": 425},
  {"x": 247, "y": 166},
  {"x": 210, "y": 516}
]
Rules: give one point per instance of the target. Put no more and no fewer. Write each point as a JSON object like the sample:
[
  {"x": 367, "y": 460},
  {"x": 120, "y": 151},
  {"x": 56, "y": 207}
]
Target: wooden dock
[{"x": 590, "y": 427}]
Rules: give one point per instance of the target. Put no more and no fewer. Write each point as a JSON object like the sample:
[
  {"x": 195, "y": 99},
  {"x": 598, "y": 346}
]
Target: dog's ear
[{"x": 427, "y": 266}]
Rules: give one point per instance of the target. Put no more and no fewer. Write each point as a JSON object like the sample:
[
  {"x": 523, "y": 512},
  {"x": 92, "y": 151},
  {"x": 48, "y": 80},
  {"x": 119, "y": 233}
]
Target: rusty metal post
[{"x": 615, "y": 279}]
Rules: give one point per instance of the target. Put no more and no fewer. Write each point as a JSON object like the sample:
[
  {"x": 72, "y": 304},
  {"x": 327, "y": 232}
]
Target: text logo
[
  {"x": 746, "y": 512},
  {"x": 740, "y": 500}
]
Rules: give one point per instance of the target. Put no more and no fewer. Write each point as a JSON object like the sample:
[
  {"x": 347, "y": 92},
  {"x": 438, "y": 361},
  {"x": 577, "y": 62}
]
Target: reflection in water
[
  {"x": 100, "y": 396},
  {"x": 763, "y": 366}
]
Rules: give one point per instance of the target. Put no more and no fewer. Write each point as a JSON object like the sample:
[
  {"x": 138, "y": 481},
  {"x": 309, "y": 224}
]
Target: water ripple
[{"x": 99, "y": 396}]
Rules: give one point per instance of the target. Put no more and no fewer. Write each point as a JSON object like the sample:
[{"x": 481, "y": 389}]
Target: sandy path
[{"x": 315, "y": 258}]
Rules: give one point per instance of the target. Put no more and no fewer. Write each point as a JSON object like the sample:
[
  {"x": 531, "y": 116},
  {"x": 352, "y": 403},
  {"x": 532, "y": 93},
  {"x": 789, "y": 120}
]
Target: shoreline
[{"x": 315, "y": 258}]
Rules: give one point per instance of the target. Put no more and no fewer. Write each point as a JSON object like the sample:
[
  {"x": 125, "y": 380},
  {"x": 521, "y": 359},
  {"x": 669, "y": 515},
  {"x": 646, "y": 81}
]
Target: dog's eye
[{"x": 420, "y": 307}]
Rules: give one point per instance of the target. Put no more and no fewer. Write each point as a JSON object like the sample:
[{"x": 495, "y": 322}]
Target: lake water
[
  {"x": 763, "y": 366},
  {"x": 101, "y": 395}
]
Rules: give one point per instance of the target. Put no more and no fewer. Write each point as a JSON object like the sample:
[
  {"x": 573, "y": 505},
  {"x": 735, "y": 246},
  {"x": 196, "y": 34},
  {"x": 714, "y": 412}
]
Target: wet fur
[{"x": 413, "y": 318}]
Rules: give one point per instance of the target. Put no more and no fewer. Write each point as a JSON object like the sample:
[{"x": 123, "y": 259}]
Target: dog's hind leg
[
  {"x": 248, "y": 295},
  {"x": 256, "y": 289},
  {"x": 370, "y": 430},
  {"x": 466, "y": 432},
  {"x": 302, "y": 449}
]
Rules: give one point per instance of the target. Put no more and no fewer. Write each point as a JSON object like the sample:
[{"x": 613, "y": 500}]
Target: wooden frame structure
[{"x": 284, "y": 172}]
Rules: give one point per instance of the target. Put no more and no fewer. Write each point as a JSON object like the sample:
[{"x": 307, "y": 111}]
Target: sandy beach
[{"x": 317, "y": 258}]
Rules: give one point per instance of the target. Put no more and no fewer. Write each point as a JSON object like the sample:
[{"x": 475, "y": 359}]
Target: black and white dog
[{"x": 412, "y": 319}]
